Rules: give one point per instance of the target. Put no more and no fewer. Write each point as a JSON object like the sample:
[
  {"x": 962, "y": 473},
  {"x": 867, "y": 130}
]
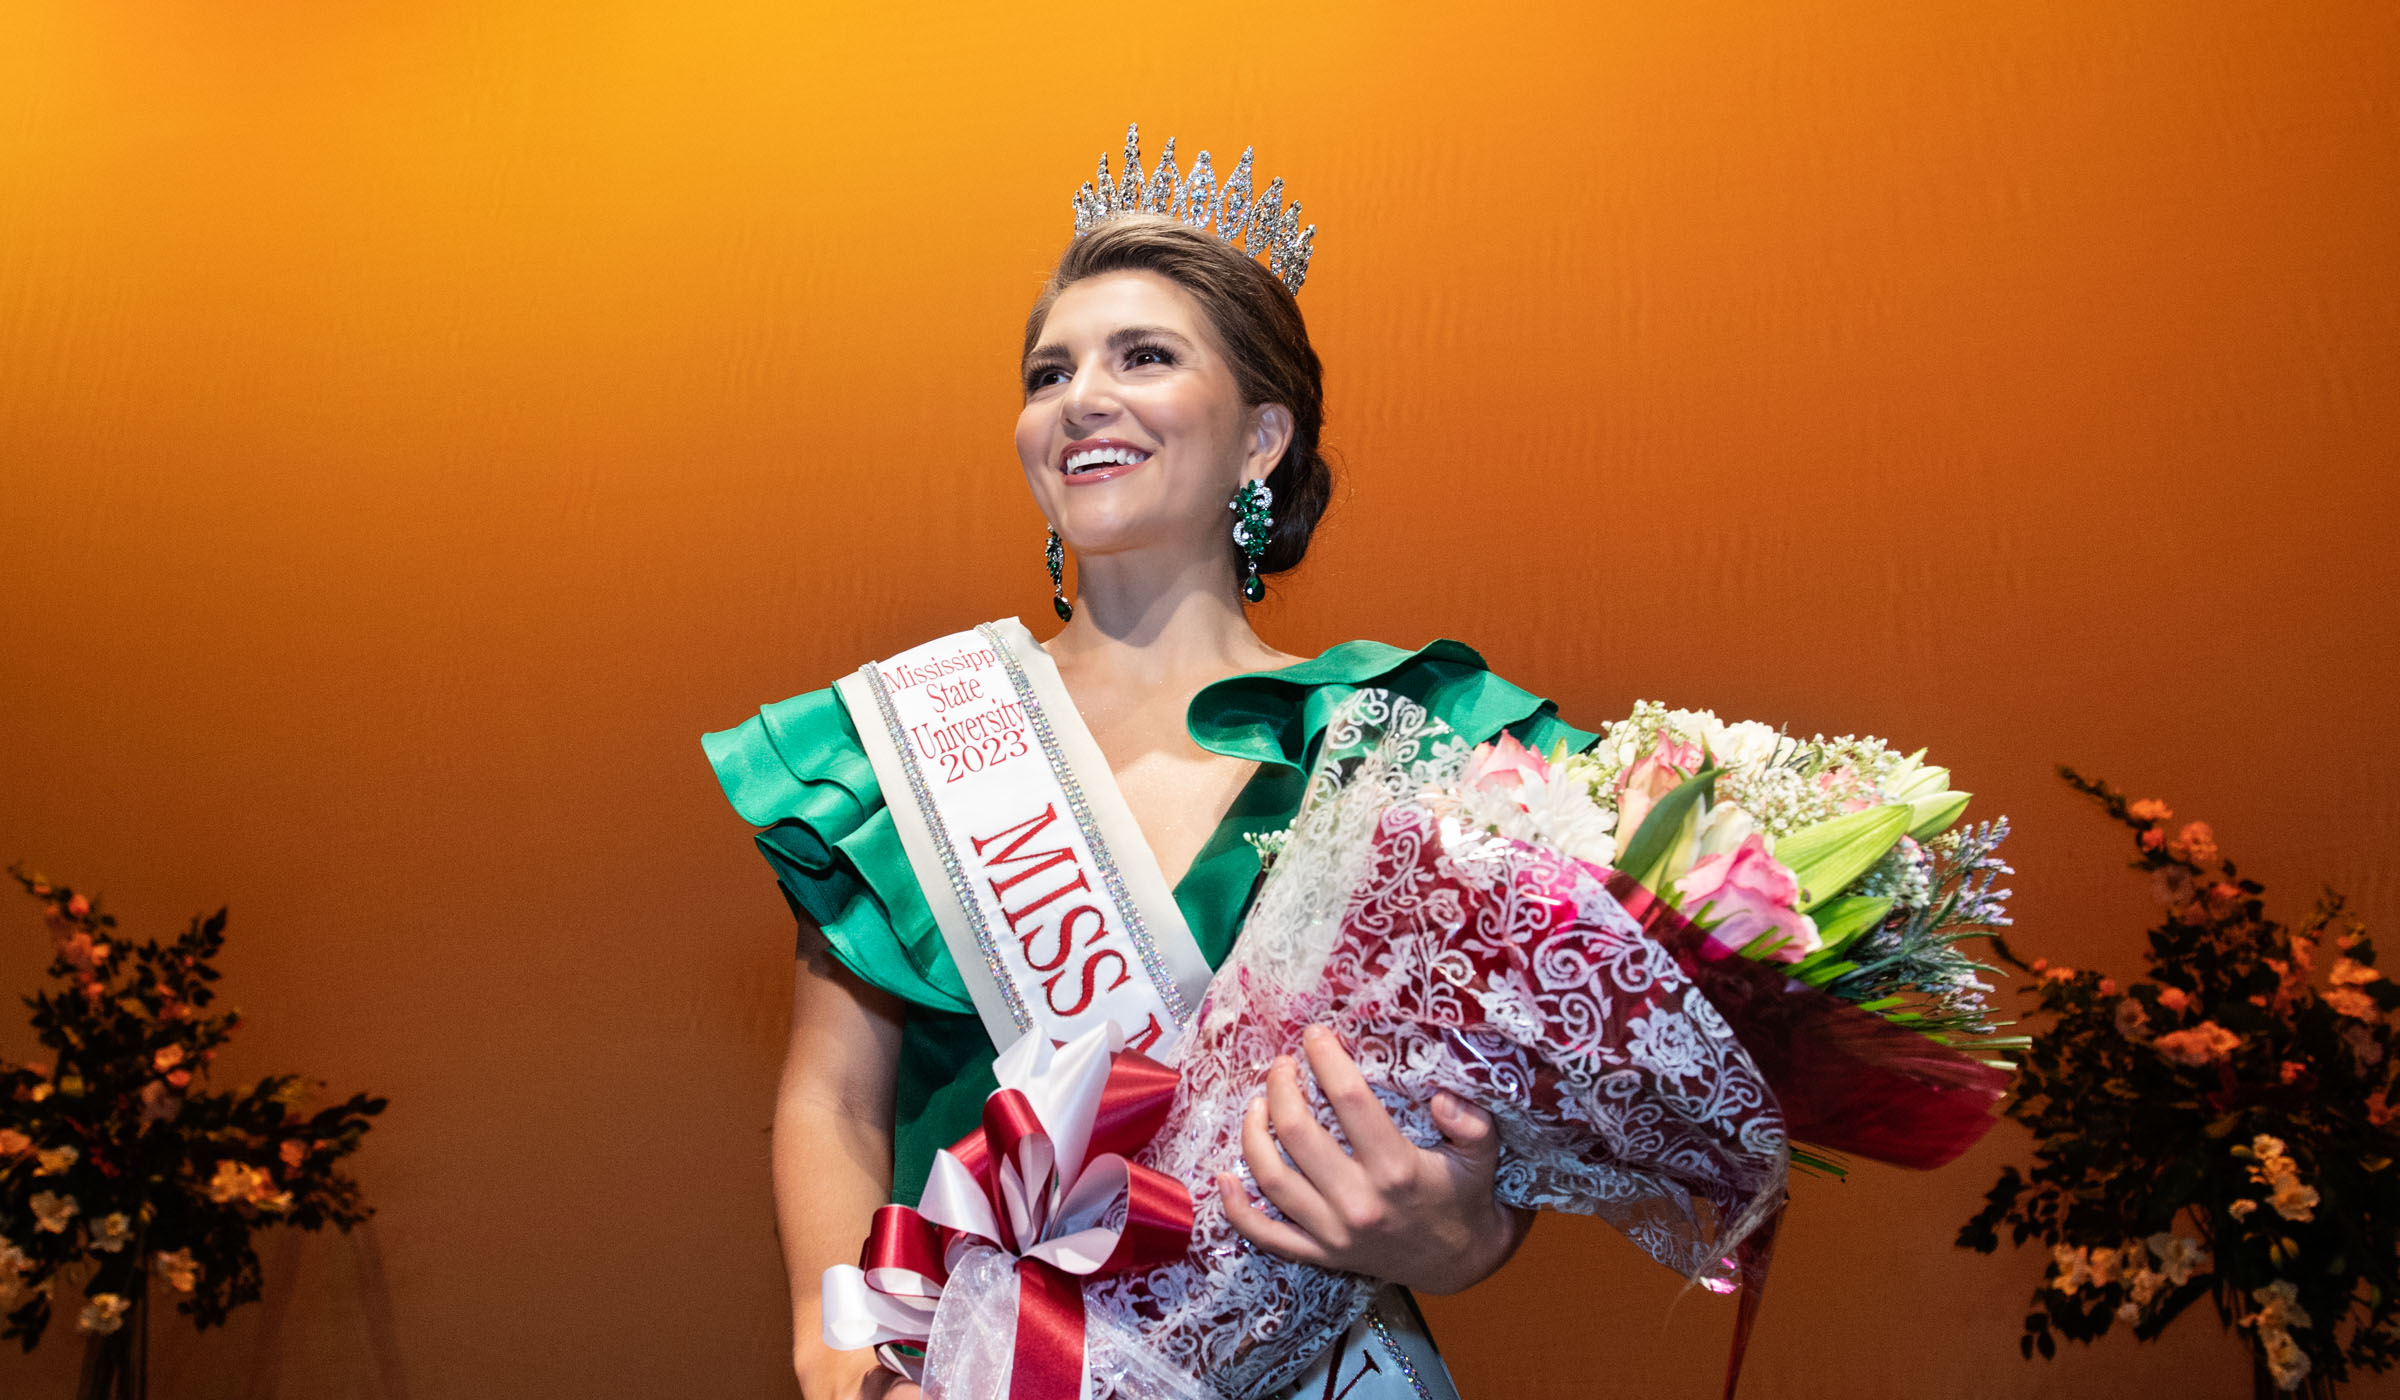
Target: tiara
[{"x": 1262, "y": 223}]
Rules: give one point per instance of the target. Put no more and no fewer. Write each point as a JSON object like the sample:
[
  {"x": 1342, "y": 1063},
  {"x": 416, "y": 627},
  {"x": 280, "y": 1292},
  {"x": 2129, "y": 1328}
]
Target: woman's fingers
[
  {"x": 1293, "y": 1193},
  {"x": 1375, "y": 1141},
  {"x": 1471, "y": 1132},
  {"x": 1256, "y": 1226},
  {"x": 1312, "y": 1149}
]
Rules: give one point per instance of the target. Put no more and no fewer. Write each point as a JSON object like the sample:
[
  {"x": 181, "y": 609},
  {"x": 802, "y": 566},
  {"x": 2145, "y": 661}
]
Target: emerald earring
[
  {"x": 1054, "y": 554},
  {"x": 1251, "y": 525}
]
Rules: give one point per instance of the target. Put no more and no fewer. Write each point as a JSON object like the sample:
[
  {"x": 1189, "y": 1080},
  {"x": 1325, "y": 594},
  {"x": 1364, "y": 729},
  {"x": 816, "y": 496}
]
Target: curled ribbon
[{"x": 1047, "y": 1180}]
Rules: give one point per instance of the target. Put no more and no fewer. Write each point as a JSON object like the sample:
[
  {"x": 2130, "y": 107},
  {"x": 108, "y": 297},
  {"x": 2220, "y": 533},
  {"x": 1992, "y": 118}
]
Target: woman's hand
[{"x": 1387, "y": 1208}]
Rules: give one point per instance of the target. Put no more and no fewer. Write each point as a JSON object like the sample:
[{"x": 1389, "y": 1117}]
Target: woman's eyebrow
[{"x": 1118, "y": 339}]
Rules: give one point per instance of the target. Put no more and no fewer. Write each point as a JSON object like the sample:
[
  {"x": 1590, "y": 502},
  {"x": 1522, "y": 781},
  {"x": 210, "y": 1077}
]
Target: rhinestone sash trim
[
  {"x": 959, "y": 885},
  {"x": 1407, "y": 1368}
]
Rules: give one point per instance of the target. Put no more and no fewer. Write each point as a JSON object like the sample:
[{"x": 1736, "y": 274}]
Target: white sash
[{"x": 1050, "y": 901}]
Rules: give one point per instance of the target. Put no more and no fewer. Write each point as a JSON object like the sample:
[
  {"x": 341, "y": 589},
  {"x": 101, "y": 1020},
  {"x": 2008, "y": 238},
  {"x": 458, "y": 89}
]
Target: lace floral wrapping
[{"x": 1444, "y": 958}]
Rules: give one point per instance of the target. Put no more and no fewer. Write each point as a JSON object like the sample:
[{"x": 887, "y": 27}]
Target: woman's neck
[{"x": 1140, "y": 622}]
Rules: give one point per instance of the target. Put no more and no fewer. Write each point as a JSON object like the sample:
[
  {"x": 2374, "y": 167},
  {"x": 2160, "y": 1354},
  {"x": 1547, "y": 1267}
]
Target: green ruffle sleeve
[{"x": 796, "y": 770}]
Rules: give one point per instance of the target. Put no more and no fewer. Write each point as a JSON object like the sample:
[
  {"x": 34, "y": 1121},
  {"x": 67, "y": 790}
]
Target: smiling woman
[
  {"x": 1082, "y": 854},
  {"x": 1227, "y": 330}
]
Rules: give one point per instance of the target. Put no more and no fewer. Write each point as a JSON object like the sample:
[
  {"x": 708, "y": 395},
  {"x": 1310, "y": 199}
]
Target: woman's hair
[{"x": 1259, "y": 323}]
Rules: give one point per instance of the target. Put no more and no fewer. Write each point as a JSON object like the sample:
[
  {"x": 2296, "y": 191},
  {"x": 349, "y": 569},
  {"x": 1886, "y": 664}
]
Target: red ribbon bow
[{"x": 1041, "y": 1181}]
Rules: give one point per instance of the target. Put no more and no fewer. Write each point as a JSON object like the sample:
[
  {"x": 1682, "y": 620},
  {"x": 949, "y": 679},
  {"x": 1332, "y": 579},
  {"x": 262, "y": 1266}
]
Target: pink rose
[
  {"x": 1503, "y": 764},
  {"x": 78, "y": 906},
  {"x": 1750, "y": 894},
  {"x": 1652, "y": 776},
  {"x": 2175, "y": 999}
]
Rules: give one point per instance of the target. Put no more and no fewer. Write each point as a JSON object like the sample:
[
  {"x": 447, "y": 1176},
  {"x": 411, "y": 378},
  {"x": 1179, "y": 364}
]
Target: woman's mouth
[{"x": 1084, "y": 463}]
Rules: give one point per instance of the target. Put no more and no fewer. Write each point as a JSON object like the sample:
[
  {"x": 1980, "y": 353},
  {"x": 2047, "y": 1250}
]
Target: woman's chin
[
  {"x": 1164, "y": 541},
  {"x": 1109, "y": 519}
]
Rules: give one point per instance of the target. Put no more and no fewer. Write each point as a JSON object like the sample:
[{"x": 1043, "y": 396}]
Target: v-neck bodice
[{"x": 796, "y": 769}]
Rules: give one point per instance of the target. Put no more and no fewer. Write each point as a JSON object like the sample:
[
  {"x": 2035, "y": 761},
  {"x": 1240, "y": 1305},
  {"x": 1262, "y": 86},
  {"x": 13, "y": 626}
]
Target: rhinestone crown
[{"x": 1262, "y": 224}]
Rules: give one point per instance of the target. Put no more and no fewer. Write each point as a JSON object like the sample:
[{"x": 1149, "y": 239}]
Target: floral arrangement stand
[
  {"x": 2221, "y": 1128},
  {"x": 120, "y": 1166}
]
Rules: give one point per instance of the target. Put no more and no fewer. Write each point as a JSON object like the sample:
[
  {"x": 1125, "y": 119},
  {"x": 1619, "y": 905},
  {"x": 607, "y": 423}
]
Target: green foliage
[
  {"x": 1838, "y": 922},
  {"x": 1828, "y": 857},
  {"x": 118, "y": 1160},
  {"x": 1666, "y": 829},
  {"x": 2227, "y": 1098}
]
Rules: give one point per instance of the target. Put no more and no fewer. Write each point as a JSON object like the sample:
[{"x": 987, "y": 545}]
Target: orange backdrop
[{"x": 418, "y": 423}]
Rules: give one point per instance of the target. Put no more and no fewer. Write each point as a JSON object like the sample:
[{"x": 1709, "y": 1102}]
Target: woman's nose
[{"x": 1090, "y": 395}]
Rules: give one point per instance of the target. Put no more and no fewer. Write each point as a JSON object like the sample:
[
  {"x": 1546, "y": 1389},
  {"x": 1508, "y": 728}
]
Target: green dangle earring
[
  {"x": 1251, "y": 525},
  {"x": 1054, "y": 554}
]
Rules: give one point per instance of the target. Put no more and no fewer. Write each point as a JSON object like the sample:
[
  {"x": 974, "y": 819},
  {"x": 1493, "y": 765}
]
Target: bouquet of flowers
[
  {"x": 2223, "y": 1128},
  {"x": 119, "y": 1164},
  {"x": 1769, "y": 951}
]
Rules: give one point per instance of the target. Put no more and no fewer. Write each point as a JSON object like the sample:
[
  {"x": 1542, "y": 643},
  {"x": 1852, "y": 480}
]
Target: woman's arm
[
  {"x": 833, "y": 1153},
  {"x": 1387, "y": 1208}
]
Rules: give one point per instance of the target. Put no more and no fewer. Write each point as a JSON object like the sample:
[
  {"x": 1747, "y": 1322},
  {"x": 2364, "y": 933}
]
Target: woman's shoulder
[{"x": 1276, "y": 716}]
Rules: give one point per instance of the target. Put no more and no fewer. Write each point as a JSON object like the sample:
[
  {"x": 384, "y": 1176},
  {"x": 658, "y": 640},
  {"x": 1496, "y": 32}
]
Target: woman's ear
[{"x": 1270, "y": 438}]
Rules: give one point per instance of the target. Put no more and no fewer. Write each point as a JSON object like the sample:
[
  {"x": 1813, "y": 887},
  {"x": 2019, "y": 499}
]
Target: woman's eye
[{"x": 1139, "y": 356}]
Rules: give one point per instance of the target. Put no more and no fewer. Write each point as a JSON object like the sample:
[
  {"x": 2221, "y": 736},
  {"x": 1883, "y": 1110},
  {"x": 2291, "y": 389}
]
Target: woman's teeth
[{"x": 1104, "y": 457}]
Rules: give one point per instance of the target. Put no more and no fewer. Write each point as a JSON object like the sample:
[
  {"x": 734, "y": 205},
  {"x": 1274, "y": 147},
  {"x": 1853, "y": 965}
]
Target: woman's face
[{"x": 1134, "y": 433}]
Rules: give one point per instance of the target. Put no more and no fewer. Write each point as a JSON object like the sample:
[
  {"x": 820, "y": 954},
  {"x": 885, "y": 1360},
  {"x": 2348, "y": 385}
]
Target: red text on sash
[{"x": 1046, "y": 896}]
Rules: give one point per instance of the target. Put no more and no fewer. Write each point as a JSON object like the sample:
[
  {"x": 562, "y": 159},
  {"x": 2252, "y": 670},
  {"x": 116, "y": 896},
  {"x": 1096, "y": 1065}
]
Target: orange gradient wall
[{"x": 419, "y": 422}]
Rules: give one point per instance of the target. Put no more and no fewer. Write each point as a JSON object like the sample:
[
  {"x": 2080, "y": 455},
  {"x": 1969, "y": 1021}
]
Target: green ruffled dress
[{"x": 796, "y": 769}]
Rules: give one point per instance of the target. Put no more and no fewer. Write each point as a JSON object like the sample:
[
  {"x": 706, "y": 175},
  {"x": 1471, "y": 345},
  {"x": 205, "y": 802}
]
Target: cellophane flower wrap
[
  {"x": 1462, "y": 925},
  {"x": 1443, "y": 957}
]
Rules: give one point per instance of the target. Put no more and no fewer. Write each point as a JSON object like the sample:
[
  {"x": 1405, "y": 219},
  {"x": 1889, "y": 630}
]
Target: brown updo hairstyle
[{"x": 1258, "y": 322}]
